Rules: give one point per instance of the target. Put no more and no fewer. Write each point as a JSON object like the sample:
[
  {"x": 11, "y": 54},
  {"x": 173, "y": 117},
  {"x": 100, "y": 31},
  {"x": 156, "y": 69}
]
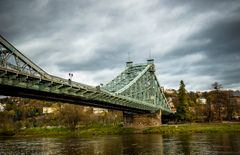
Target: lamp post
[{"x": 70, "y": 78}]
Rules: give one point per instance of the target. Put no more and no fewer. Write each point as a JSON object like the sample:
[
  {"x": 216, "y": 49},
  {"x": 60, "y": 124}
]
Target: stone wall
[{"x": 142, "y": 120}]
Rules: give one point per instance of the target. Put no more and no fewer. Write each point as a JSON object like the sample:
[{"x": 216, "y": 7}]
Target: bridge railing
[{"x": 71, "y": 83}]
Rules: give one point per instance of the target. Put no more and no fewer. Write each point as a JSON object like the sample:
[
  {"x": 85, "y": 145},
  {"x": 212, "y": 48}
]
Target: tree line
[
  {"x": 20, "y": 113},
  {"x": 220, "y": 105}
]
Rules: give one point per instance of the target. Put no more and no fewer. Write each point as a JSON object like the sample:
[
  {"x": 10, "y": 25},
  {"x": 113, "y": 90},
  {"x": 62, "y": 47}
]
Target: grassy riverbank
[
  {"x": 84, "y": 131},
  {"x": 118, "y": 130},
  {"x": 194, "y": 128}
]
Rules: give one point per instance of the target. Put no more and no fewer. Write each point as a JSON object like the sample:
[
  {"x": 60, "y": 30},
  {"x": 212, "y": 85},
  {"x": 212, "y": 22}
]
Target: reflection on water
[{"x": 127, "y": 144}]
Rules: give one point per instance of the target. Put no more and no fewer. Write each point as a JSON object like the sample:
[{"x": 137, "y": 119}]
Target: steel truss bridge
[{"x": 136, "y": 89}]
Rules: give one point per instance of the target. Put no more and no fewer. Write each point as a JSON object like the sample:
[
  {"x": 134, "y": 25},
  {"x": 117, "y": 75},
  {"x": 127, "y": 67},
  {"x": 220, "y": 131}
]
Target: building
[
  {"x": 170, "y": 91},
  {"x": 49, "y": 110},
  {"x": 99, "y": 110},
  {"x": 170, "y": 102},
  {"x": 2, "y": 107},
  {"x": 202, "y": 100},
  {"x": 236, "y": 93}
]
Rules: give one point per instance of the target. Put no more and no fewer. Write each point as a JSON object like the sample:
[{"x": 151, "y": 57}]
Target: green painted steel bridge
[{"x": 136, "y": 89}]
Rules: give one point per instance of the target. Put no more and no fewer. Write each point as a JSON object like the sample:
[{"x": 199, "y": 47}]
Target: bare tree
[
  {"x": 72, "y": 115},
  {"x": 230, "y": 105}
]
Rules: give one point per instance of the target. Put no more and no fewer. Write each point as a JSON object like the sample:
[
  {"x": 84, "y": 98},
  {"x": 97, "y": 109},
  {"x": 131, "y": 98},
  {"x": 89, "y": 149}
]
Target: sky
[{"x": 194, "y": 41}]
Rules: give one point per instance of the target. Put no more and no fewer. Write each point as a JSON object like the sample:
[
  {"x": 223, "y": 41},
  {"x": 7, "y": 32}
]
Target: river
[{"x": 140, "y": 144}]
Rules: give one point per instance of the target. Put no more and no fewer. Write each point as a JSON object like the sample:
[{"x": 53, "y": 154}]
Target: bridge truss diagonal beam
[{"x": 21, "y": 62}]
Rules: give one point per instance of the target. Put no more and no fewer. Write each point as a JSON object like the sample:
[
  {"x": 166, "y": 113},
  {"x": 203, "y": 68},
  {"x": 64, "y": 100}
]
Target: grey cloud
[
  {"x": 114, "y": 29},
  {"x": 201, "y": 6},
  {"x": 103, "y": 58},
  {"x": 222, "y": 51},
  {"x": 36, "y": 18}
]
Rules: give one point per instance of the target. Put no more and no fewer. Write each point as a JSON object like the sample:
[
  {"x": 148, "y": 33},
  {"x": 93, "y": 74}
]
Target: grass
[
  {"x": 194, "y": 128},
  {"x": 83, "y": 131},
  {"x": 104, "y": 130},
  {"x": 118, "y": 130},
  {"x": 44, "y": 132}
]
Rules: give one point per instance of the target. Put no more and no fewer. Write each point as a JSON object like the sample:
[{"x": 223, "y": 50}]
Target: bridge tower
[{"x": 139, "y": 82}]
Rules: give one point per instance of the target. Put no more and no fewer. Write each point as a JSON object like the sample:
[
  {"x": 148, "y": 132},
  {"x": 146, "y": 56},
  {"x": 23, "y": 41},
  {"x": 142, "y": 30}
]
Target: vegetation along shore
[{"x": 119, "y": 130}]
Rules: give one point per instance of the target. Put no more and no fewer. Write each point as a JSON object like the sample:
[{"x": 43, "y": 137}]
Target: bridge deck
[{"x": 13, "y": 83}]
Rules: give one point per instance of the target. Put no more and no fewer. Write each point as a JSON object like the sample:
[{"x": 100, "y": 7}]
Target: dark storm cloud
[
  {"x": 24, "y": 21},
  {"x": 222, "y": 52},
  {"x": 36, "y": 18},
  {"x": 198, "y": 41}
]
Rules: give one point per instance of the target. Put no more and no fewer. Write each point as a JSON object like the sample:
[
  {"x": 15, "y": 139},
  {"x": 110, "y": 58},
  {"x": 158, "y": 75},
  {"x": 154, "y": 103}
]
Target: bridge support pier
[{"x": 142, "y": 120}]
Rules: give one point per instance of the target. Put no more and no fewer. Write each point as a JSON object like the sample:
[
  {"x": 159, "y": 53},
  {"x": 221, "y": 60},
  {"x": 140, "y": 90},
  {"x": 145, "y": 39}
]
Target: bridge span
[{"x": 135, "y": 90}]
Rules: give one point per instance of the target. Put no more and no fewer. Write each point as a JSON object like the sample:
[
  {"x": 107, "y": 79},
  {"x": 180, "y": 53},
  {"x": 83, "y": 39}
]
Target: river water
[{"x": 140, "y": 144}]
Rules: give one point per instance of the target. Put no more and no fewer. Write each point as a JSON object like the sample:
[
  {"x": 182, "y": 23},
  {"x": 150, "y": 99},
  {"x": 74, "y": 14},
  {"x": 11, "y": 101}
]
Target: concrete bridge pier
[{"x": 142, "y": 120}]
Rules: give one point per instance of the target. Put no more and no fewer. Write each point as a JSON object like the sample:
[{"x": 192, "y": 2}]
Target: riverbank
[
  {"x": 118, "y": 130},
  {"x": 194, "y": 128},
  {"x": 83, "y": 131}
]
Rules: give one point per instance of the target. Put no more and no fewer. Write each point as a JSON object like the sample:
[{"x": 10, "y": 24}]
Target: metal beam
[{"x": 10, "y": 47}]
